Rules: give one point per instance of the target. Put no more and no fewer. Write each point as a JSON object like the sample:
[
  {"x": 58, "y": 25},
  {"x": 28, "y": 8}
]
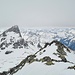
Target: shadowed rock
[{"x": 14, "y": 29}]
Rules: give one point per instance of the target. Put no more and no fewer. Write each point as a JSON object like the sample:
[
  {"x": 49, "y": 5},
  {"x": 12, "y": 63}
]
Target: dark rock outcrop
[
  {"x": 19, "y": 43},
  {"x": 8, "y": 52},
  {"x": 14, "y": 29}
]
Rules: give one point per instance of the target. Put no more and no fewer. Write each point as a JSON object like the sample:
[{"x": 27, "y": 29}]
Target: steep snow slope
[{"x": 57, "y": 68}]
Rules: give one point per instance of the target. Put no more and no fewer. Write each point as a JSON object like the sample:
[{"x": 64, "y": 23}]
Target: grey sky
[{"x": 37, "y": 13}]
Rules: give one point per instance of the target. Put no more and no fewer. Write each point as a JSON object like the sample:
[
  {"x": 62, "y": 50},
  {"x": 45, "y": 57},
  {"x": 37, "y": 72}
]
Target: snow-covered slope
[
  {"x": 53, "y": 58},
  {"x": 37, "y": 52}
]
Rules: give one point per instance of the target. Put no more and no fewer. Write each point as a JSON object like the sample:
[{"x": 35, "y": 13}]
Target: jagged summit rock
[
  {"x": 14, "y": 28},
  {"x": 11, "y": 36}
]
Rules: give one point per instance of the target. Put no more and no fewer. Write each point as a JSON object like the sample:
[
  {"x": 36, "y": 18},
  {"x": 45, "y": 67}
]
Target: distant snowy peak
[
  {"x": 12, "y": 29},
  {"x": 11, "y": 37},
  {"x": 65, "y": 35}
]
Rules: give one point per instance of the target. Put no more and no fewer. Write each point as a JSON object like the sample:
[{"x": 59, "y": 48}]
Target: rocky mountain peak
[
  {"x": 11, "y": 36},
  {"x": 14, "y": 28}
]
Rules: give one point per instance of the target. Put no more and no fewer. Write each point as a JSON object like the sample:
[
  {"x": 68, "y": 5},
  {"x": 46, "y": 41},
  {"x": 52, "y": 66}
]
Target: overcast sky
[{"x": 37, "y": 13}]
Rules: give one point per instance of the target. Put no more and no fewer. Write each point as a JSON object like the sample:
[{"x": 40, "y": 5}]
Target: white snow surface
[{"x": 38, "y": 68}]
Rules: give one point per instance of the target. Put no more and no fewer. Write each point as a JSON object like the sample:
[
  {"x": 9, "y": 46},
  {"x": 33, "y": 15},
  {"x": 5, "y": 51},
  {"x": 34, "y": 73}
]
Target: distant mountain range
[{"x": 65, "y": 35}]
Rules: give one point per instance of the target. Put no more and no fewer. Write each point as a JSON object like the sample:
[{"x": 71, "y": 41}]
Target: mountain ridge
[
  {"x": 28, "y": 49},
  {"x": 49, "y": 61}
]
